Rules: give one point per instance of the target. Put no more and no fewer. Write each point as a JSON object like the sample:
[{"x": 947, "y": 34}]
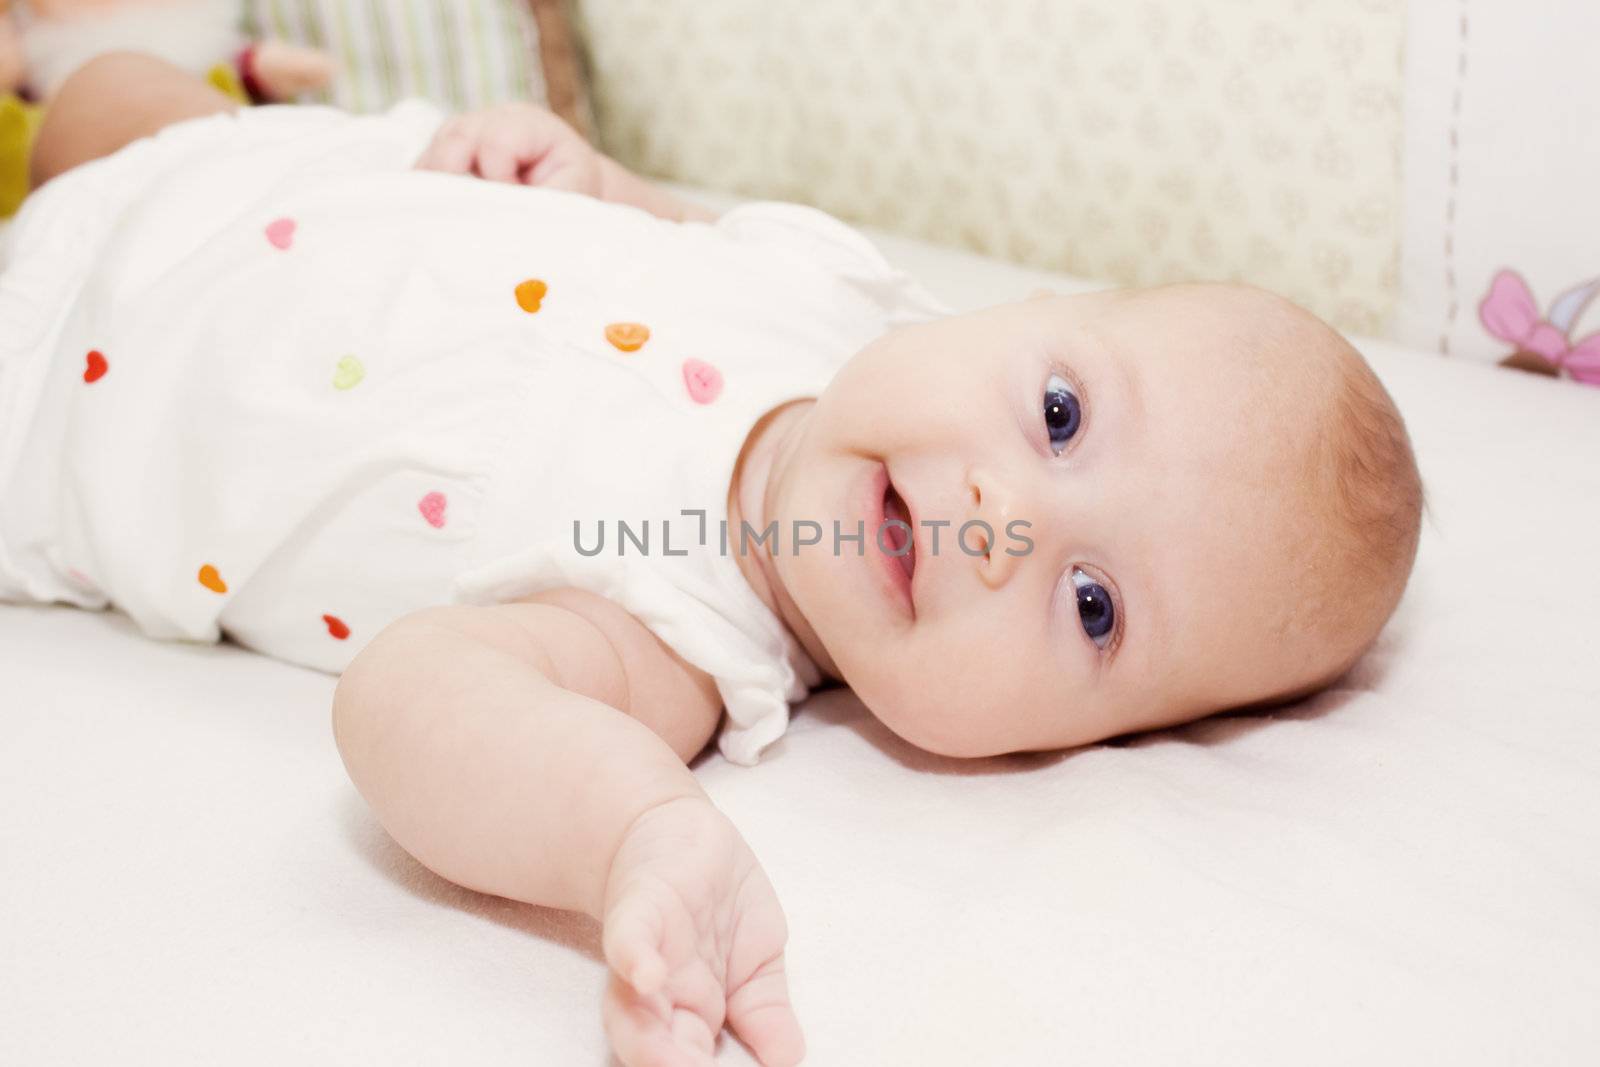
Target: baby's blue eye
[
  {"x": 1095, "y": 611},
  {"x": 1062, "y": 412}
]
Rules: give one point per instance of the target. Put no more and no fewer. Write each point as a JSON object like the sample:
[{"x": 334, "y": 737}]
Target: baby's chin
[
  {"x": 953, "y": 732},
  {"x": 1007, "y": 729},
  {"x": 917, "y": 723}
]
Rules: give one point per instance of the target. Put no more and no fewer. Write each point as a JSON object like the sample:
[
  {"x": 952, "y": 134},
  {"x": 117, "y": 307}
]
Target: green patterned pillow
[{"x": 460, "y": 54}]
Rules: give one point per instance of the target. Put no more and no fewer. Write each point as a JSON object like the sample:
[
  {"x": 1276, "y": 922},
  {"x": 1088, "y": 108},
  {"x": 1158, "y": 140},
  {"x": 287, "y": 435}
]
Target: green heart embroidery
[{"x": 348, "y": 373}]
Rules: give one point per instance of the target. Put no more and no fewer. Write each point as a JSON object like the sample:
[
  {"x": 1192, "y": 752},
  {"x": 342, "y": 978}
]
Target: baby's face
[{"x": 1140, "y": 463}]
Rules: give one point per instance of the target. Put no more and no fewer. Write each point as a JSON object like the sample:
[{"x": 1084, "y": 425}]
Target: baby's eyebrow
[
  {"x": 1150, "y": 620},
  {"x": 1129, "y": 382},
  {"x": 1125, "y": 392}
]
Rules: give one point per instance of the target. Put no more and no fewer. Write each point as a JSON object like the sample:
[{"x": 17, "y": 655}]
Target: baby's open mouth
[{"x": 898, "y": 538}]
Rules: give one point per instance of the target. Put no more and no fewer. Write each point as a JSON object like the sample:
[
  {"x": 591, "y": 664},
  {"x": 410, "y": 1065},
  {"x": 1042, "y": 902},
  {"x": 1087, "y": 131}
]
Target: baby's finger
[
  {"x": 567, "y": 166},
  {"x": 631, "y": 941},
  {"x": 497, "y": 160},
  {"x": 760, "y": 1013},
  {"x": 690, "y": 1031},
  {"x": 639, "y": 1032},
  {"x": 692, "y": 1034},
  {"x": 452, "y": 148}
]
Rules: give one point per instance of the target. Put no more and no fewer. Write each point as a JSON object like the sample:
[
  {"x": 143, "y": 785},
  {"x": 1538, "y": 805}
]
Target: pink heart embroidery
[
  {"x": 703, "y": 381},
  {"x": 280, "y": 233},
  {"x": 432, "y": 507}
]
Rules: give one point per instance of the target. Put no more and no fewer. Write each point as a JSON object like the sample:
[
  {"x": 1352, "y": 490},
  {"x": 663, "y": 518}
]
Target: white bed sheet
[{"x": 1404, "y": 870}]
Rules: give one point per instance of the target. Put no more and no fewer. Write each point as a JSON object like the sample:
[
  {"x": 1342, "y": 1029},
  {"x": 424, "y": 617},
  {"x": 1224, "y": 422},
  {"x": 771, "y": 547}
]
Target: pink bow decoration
[{"x": 1509, "y": 312}]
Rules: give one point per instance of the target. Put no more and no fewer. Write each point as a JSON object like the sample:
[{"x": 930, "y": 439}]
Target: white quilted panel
[{"x": 1136, "y": 142}]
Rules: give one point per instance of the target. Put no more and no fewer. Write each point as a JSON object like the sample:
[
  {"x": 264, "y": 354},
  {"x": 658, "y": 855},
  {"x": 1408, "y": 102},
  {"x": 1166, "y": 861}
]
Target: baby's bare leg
[{"x": 112, "y": 100}]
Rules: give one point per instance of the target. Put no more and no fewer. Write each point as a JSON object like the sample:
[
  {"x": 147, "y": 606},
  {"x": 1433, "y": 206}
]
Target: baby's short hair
[{"x": 1373, "y": 493}]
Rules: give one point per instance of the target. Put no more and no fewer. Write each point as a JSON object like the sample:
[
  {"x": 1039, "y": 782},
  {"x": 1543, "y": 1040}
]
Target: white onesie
[{"x": 260, "y": 378}]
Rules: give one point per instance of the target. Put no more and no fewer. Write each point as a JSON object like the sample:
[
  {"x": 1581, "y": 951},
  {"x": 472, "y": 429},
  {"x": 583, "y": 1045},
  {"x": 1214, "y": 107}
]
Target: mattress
[{"x": 1403, "y": 869}]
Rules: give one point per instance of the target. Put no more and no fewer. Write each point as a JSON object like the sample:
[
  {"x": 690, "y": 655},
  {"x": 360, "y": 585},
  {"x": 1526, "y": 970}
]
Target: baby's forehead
[
  {"x": 1231, "y": 575},
  {"x": 1230, "y": 436},
  {"x": 1251, "y": 371},
  {"x": 1224, "y": 328}
]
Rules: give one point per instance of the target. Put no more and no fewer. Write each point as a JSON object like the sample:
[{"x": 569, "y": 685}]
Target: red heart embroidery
[
  {"x": 95, "y": 367},
  {"x": 432, "y": 507},
  {"x": 336, "y": 627}
]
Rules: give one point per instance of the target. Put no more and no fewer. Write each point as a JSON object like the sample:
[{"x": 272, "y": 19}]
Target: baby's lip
[
  {"x": 896, "y": 506},
  {"x": 881, "y": 498}
]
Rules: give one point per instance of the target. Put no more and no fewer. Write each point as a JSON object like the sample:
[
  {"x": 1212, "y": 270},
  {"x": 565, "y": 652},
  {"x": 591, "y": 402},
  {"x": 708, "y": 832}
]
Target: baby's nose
[{"x": 988, "y": 536}]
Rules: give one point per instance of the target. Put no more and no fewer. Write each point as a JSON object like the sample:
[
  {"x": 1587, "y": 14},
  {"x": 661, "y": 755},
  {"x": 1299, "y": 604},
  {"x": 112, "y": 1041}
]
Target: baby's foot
[
  {"x": 13, "y": 63},
  {"x": 282, "y": 70}
]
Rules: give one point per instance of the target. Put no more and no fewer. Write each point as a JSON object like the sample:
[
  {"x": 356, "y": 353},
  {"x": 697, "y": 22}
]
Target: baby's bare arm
[
  {"x": 536, "y": 751},
  {"x": 496, "y": 744},
  {"x": 619, "y": 185}
]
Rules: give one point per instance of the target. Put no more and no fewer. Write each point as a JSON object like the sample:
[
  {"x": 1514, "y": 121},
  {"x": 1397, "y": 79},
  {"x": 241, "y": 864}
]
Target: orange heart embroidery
[
  {"x": 530, "y": 293},
  {"x": 95, "y": 367},
  {"x": 212, "y": 580},
  {"x": 336, "y": 627},
  {"x": 628, "y": 336}
]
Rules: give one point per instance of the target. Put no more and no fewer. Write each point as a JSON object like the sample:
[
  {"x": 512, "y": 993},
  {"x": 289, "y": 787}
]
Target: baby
[{"x": 561, "y": 485}]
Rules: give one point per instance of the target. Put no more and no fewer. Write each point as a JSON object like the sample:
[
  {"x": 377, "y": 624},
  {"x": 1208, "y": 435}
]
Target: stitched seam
[{"x": 1450, "y": 283}]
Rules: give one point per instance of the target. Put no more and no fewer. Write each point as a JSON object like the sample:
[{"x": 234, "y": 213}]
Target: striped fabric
[{"x": 458, "y": 53}]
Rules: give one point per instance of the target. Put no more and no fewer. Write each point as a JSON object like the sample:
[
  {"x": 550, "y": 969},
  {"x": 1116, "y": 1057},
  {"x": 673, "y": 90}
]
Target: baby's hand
[
  {"x": 518, "y": 143},
  {"x": 694, "y": 938}
]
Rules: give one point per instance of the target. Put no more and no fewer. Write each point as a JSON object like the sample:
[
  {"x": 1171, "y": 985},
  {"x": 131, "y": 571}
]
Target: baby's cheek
[
  {"x": 1020, "y": 692},
  {"x": 959, "y": 694}
]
